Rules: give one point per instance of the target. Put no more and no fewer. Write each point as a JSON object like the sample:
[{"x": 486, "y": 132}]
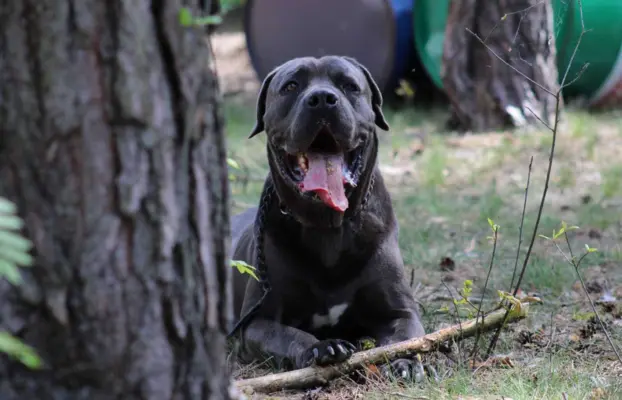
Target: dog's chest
[
  {"x": 322, "y": 309},
  {"x": 330, "y": 318}
]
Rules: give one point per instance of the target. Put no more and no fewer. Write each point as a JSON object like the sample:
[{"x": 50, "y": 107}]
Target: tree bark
[
  {"x": 111, "y": 144},
  {"x": 484, "y": 92}
]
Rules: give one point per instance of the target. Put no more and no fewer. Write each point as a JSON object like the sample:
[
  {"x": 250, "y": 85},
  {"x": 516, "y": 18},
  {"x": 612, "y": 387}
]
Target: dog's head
[{"x": 320, "y": 117}]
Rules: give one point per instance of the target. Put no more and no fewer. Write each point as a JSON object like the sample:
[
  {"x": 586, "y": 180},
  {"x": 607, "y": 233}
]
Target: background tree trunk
[
  {"x": 486, "y": 94},
  {"x": 112, "y": 146}
]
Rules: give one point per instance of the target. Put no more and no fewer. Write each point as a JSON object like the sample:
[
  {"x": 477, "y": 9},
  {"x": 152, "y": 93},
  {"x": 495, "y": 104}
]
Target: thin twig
[
  {"x": 457, "y": 315},
  {"x": 522, "y": 222},
  {"x": 539, "y": 118},
  {"x": 407, "y": 396},
  {"x": 508, "y": 64},
  {"x": 549, "y": 347},
  {"x": 525, "y": 11},
  {"x": 495, "y": 337},
  {"x": 576, "y": 48},
  {"x": 479, "y": 308},
  {"x": 576, "y": 265},
  {"x": 558, "y": 98}
]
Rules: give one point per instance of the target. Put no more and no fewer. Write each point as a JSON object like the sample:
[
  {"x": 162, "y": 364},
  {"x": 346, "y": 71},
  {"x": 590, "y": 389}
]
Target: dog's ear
[
  {"x": 261, "y": 103},
  {"x": 376, "y": 95}
]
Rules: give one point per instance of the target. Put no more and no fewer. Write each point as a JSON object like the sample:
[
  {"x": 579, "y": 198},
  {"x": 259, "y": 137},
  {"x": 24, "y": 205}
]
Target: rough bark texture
[
  {"x": 485, "y": 93},
  {"x": 111, "y": 143}
]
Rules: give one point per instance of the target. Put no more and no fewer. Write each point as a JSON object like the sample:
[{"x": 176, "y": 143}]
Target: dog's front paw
[
  {"x": 326, "y": 352},
  {"x": 409, "y": 370}
]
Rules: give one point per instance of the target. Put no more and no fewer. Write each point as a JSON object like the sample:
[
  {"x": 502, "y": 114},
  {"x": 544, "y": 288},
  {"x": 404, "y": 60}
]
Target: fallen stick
[{"x": 318, "y": 376}]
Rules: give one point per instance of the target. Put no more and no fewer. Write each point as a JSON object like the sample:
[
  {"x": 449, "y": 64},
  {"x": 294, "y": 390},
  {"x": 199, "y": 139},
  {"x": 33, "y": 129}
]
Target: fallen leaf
[
  {"x": 372, "y": 370},
  {"x": 594, "y": 234},
  {"x": 597, "y": 394},
  {"x": 447, "y": 264}
]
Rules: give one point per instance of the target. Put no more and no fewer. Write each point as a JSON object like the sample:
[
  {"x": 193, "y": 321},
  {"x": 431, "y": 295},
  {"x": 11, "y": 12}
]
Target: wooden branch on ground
[{"x": 317, "y": 376}]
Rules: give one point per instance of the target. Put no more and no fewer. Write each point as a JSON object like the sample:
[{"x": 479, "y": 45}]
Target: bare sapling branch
[
  {"x": 495, "y": 231},
  {"x": 557, "y": 94}
]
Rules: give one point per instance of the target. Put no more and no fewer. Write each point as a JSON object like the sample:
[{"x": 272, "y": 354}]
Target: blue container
[{"x": 378, "y": 33}]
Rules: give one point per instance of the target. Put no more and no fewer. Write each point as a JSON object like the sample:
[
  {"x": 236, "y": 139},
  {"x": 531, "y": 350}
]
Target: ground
[{"x": 445, "y": 187}]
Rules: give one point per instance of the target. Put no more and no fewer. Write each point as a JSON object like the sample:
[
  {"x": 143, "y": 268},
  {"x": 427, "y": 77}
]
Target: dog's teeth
[
  {"x": 302, "y": 162},
  {"x": 347, "y": 176}
]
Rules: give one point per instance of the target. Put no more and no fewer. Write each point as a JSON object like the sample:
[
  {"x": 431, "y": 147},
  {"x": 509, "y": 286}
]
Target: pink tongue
[{"x": 325, "y": 177}]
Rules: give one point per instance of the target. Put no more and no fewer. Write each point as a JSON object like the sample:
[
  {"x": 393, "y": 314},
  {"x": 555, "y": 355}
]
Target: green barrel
[{"x": 601, "y": 46}]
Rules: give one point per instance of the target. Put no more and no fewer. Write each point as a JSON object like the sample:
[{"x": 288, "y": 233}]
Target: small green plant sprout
[
  {"x": 244, "y": 268},
  {"x": 562, "y": 231},
  {"x": 14, "y": 253},
  {"x": 514, "y": 304},
  {"x": 232, "y": 163},
  {"x": 583, "y": 316},
  {"x": 590, "y": 249},
  {"x": 235, "y": 165},
  {"x": 465, "y": 303},
  {"x": 187, "y": 19},
  {"x": 495, "y": 229},
  {"x": 368, "y": 343}
]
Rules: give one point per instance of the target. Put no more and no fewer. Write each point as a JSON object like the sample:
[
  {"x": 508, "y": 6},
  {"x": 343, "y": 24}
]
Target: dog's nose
[{"x": 322, "y": 98}]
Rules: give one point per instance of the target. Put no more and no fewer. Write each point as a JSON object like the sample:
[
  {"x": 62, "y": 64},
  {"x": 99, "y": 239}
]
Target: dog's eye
[
  {"x": 350, "y": 87},
  {"x": 289, "y": 87}
]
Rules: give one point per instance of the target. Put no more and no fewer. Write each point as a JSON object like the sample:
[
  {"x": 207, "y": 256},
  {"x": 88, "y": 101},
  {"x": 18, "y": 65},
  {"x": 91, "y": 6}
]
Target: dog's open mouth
[{"x": 325, "y": 171}]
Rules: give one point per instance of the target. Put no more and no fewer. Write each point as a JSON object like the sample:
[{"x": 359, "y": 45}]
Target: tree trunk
[
  {"x": 111, "y": 144},
  {"x": 484, "y": 92}
]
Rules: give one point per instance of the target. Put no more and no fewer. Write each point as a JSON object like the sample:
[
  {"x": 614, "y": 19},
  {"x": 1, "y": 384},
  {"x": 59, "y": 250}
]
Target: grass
[{"x": 444, "y": 189}]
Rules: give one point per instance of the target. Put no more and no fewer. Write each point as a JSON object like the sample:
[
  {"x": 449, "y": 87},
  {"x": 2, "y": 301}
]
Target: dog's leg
[
  {"x": 291, "y": 347},
  {"x": 393, "y": 306},
  {"x": 265, "y": 337},
  {"x": 398, "y": 330}
]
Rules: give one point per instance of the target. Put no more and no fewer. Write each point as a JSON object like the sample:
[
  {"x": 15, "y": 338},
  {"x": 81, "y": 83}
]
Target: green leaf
[
  {"x": 16, "y": 349},
  {"x": 14, "y": 241},
  {"x": 10, "y": 272},
  {"x": 545, "y": 237},
  {"x": 443, "y": 309},
  {"x": 368, "y": 343},
  {"x": 232, "y": 163},
  {"x": 208, "y": 20},
  {"x": 493, "y": 226},
  {"x": 15, "y": 256},
  {"x": 185, "y": 16},
  {"x": 590, "y": 249},
  {"x": 10, "y": 222},
  {"x": 7, "y": 206},
  {"x": 244, "y": 268}
]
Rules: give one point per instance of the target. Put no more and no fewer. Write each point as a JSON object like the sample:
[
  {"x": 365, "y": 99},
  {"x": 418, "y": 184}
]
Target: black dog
[{"x": 329, "y": 238}]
